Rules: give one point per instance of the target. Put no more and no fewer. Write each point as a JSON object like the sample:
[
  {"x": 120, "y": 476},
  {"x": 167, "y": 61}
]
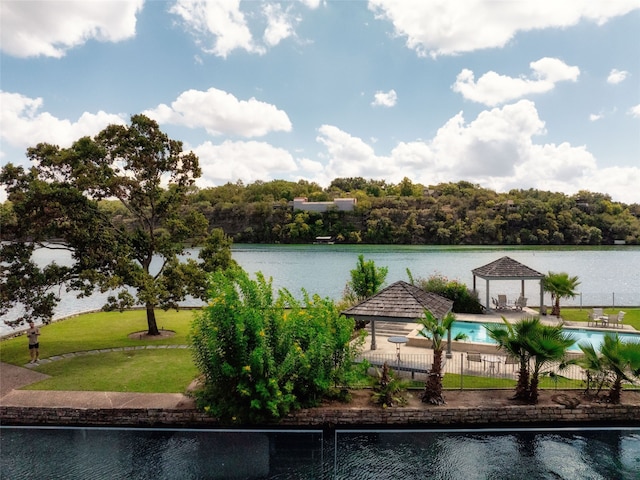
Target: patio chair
[
  {"x": 511, "y": 360},
  {"x": 474, "y": 357},
  {"x": 595, "y": 316},
  {"x": 502, "y": 302},
  {"x": 520, "y": 303},
  {"x": 617, "y": 319}
]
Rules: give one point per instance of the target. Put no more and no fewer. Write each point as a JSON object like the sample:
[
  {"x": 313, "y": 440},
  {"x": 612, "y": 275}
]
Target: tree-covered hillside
[{"x": 408, "y": 213}]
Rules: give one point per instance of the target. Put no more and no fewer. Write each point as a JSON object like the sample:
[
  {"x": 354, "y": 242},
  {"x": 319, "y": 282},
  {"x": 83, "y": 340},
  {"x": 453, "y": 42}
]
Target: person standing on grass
[{"x": 34, "y": 346}]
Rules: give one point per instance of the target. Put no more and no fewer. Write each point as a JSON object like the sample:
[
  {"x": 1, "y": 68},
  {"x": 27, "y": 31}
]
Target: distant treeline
[{"x": 406, "y": 213}]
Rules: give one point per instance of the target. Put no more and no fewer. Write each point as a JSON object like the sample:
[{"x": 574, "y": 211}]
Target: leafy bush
[
  {"x": 464, "y": 301},
  {"x": 262, "y": 358}
]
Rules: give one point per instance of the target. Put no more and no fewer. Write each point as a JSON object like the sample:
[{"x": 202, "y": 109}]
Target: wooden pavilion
[
  {"x": 399, "y": 302},
  {"x": 507, "y": 268}
]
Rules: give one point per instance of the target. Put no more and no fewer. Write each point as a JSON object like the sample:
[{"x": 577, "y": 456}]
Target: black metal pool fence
[{"x": 462, "y": 370}]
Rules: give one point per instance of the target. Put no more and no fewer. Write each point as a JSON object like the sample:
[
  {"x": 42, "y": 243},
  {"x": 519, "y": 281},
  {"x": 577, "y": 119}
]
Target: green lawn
[
  {"x": 94, "y": 331},
  {"x": 150, "y": 371},
  {"x": 631, "y": 317}
]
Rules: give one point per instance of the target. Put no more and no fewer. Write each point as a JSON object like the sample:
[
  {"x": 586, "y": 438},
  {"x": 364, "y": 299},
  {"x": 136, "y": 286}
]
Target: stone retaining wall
[{"x": 530, "y": 415}]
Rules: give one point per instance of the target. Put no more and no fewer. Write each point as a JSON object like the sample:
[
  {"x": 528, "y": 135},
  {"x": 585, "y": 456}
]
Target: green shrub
[
  {"x": 389, "y": 389},
  {"x": 262, "y": 358},
  {"x": 464, "y": 301}
]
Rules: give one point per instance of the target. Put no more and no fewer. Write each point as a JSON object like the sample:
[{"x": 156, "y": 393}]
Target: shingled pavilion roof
[
  {"x": 507, "y": 268},
  {"x": 399, "y": 302}
]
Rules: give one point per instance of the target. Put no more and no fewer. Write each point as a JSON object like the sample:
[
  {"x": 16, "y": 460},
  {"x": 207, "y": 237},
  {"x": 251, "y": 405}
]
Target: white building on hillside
[{"x": 341, "y": 204}]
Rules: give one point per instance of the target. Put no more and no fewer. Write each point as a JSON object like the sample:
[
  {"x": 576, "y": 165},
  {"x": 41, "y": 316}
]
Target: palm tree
[
  {"x": 513, "y": 340},
  {"x": 435, "y": 330},
  {"x": 623, "y": 360},
  {"x": 591, "y": 362},
  {"x": 534, "y": 345},
  {"x": 560, "y": 285},
  {"x": 549, "y": 343}
]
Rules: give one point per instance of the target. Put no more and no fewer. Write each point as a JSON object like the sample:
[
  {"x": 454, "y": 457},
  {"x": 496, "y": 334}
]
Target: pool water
[{"x": 476, "y": 333}]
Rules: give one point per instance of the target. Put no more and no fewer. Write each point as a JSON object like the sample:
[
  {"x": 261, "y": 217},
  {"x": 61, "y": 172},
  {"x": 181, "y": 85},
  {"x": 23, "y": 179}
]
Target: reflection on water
[
  {"x": 502, "y": 455},
  {"x": 73, "y": 453},
  {"x": 100, "y": 453}
]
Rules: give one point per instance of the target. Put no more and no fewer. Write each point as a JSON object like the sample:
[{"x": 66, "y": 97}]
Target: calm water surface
[
  {"x": 523, "y": 454},
  {"x": 607, "y": 274}
]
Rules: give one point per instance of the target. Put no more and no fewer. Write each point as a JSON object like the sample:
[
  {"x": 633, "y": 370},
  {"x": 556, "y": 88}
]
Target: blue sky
[{"x": 521, "y": 94}]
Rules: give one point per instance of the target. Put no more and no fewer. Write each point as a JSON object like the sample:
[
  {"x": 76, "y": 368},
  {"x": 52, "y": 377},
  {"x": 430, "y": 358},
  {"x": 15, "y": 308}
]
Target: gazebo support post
[
  {"x": 449, "y": 354},
  {"x": 373, "y": 334},
  {"x": 487, "y": 289},
  {"x": 541, "y": 296}
]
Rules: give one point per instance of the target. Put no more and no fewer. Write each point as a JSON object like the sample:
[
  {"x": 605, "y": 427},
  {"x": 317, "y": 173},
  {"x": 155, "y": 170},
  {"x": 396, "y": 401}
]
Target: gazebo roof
[
  {"x": 506, "y": 268},
  {"x": 400, "y": 301}
]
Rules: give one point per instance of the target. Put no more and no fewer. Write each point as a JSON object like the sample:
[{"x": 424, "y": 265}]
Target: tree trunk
[
  {"x": 433, "y": 387},
  {"x": 615, "y": 393},
  {"x": 522, "y": 387},
  {"x": 533, "y": 393},
  {"x": 151, "y": 321}
]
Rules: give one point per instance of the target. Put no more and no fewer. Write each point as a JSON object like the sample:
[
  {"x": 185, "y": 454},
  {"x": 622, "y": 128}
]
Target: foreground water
[{"x": 74, "y": 453}]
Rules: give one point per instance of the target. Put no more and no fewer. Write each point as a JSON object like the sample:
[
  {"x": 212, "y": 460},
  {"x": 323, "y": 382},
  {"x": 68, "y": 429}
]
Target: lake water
[
  {"x": 609, "y": 275},
  {"x": 99, "y": 453}
]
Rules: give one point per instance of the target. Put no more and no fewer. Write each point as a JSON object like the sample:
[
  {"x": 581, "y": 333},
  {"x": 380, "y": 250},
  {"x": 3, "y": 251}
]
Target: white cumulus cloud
[
  {"x": 279, "y": 24},
  {"x": 221, "y": 113},
  {"x": 220, "y": 27},
  {"x": 24, "y": 125},
  {"x": 46, "y": 28},
  {"x": 385, "y": 99},
  {"x": 635, "y": 111},
  {"x": 219, "y": 22},
  {"x": 497, "y": 150},
  {"x": 248, "y": 161},
  {"x": 617, "y": 76},
  {"x": 493, "y": 89},
  {"x": 443, "y": 27}
]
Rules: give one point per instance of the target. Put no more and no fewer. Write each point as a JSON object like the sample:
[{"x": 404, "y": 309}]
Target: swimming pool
[{"x": 476, "y": 333}]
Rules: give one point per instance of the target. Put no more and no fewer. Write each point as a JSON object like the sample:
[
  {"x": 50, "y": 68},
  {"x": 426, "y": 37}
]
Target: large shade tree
[{"x": 61, "y": 203}]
